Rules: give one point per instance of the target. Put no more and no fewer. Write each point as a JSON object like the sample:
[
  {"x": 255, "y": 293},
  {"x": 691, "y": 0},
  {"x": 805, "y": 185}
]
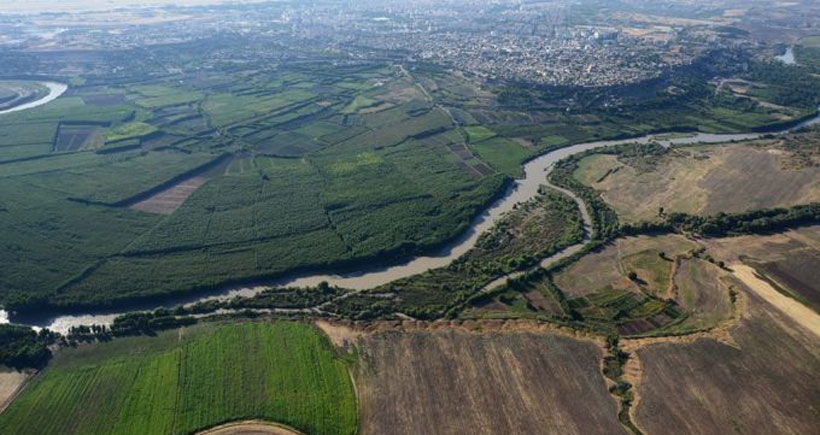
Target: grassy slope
[{"x": 184, "y": 381}]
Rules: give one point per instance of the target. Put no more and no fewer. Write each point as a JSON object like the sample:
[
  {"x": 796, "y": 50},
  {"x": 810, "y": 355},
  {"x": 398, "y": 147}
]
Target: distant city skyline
[{"x": 39, "y": 6}]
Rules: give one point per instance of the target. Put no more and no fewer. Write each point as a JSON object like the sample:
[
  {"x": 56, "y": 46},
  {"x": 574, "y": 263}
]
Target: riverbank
[
  {"x": 55, "y": 91},
  {"x": 536, "y": 172}
]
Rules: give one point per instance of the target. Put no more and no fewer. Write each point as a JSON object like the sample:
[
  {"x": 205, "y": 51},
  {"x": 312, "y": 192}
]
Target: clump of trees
[
  {"x": 22, "y": 347},
  {"x": 723, "y": 224},
  {"x": 148, "y": 323}
]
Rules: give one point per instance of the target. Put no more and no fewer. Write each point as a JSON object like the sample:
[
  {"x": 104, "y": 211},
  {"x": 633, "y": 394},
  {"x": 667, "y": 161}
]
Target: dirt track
[
  {"x": 251, "y": 427},
  {"x": 10, "y": 382},
  {"x": 798, "y": 312}
]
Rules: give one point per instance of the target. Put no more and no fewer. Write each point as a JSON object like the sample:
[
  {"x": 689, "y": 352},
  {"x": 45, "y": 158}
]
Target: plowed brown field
[{"x": 454, "y": 382}]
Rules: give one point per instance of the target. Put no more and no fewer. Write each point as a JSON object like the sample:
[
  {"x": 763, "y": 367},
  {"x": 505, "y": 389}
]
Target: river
[
  {"x": 535, "y": 173},
  {"x": 55, "y": 90}
]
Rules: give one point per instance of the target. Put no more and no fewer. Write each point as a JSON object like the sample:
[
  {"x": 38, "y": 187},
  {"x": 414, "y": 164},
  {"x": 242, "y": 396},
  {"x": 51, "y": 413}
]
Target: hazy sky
[{"x": 18, "y": 6}]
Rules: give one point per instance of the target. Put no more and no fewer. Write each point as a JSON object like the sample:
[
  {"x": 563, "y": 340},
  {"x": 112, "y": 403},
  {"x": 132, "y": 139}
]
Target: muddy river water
[
  {"x": 55, "y": 90},
  {"x": 522, "y": 190}
]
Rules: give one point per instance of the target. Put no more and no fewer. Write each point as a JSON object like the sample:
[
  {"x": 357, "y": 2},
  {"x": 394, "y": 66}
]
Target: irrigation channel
[
  {"x": 524, "y": 189},
  {"x": 55, "y": 90}
]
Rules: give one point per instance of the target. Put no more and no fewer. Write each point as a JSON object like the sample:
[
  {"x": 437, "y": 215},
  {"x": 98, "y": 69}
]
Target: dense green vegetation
[
  {"x": 723, "y": 224},
  {"x": 307, "y": 166},
  {"x": 186, "y": 380},
  {"x": 808, "y": 56},
  {"x": 533, "y": 231},
  {"x": 372, "y": 182},
  {"x": 22, "y": 347}
]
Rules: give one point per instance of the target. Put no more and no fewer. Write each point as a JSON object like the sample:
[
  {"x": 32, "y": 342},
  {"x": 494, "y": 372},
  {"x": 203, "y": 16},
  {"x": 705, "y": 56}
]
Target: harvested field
[
  {"x": 169, "y": 200},
  {"x": 702, "y": 180},
  {"x": 764, "y": 384},
  {"x": 790, "y": 260},
  {"x": 791, "y": 308},
  {"x": 453, "y": 382}
]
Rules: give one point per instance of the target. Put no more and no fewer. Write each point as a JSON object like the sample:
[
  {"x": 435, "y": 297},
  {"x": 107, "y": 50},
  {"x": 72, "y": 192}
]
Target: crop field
[
  {"x": 764, "y": 381},
  {"x": 706, "y": 180},
  {"x": 104, "y": 99},
  {"x": 115, "y": 179},
  {"x": 453, "y": 382},
  {"x": 191, "y": 379},
  {"x": 702, "y": 289},
  {"x": 811, "y": 41},
  {"x": 168, "y": 201},
  {"x": 503, "y": 154},
  {"x": 78, "y": 136},
  {"x": 789, "y": 260},
  {"x": 376, "y": 173}
]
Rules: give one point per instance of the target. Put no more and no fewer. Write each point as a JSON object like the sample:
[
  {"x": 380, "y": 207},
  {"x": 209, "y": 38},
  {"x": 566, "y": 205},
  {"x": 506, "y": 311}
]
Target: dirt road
[
  {"x": 251, "y": 427},
  {"x": 801, "y": 314}
]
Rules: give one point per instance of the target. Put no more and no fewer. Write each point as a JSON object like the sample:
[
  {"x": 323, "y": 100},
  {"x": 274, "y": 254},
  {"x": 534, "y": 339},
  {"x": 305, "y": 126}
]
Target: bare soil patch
[
  {"x": 789, "y": 260},
  {"x": 169, "y": 200},
  {"x": 10, "y": 382},
  {"x": 766, "y": 382},
  {"x": 340, "y": 335},
  {"x": 452, "y": 382}
]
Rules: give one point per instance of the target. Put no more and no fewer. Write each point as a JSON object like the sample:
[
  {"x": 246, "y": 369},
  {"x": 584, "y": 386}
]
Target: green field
[
  {"x": 187, "y": 380},
  {"x": 296, "y": 172},
  {"x": 503, "y": 154},
  {"x": 478, "y": 133},
  {"x": 304, "y": 185}
]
